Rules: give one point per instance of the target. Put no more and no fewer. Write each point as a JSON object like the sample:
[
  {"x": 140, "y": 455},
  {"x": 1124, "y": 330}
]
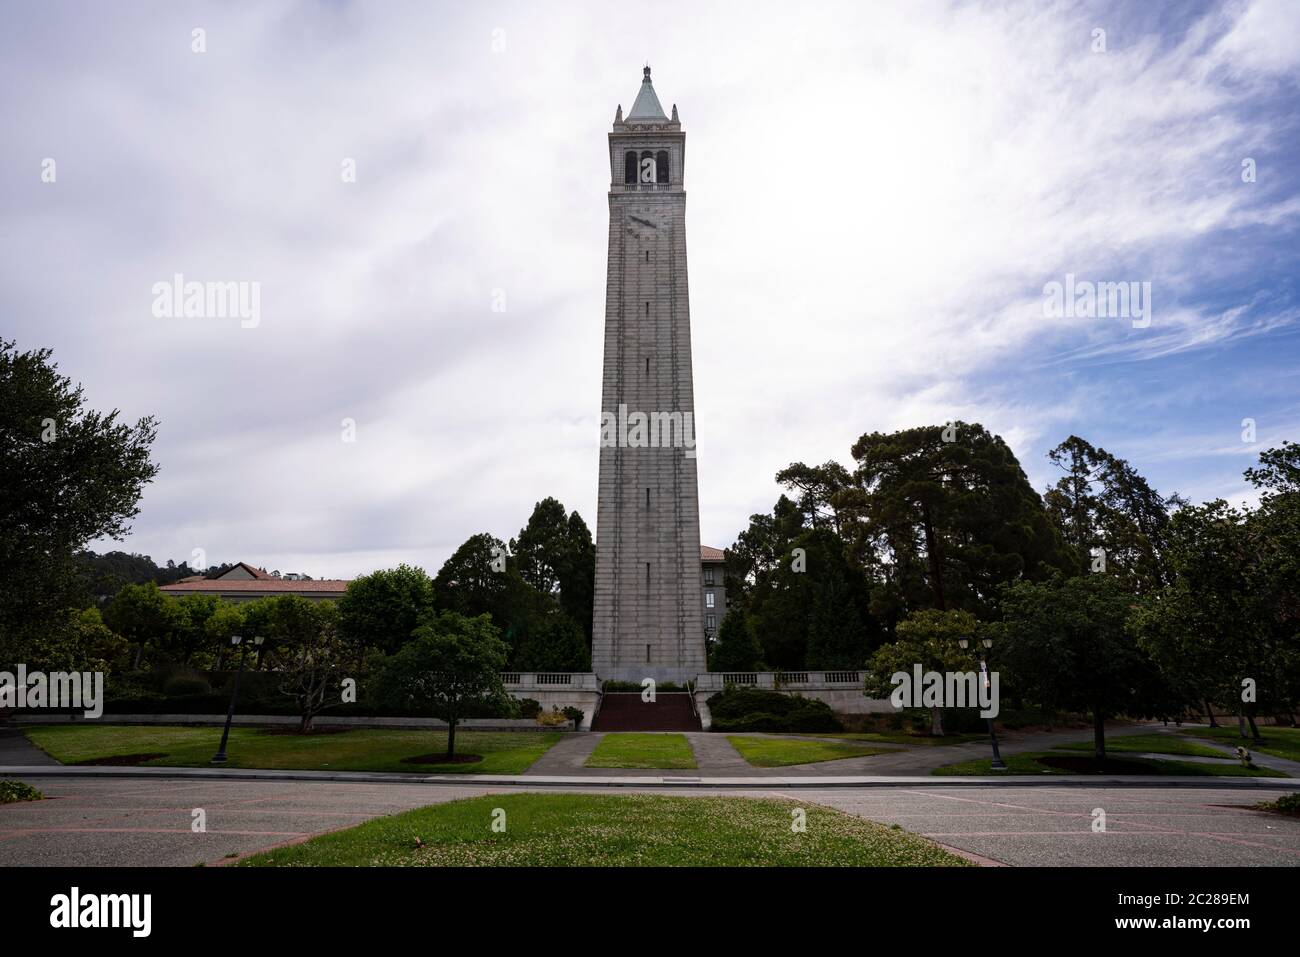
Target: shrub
[
  {"x": 1287, "y": 804},
  {"x": 574, "y": 714},
  {"x": 552, "y": 719},
  {"x": 755, "y": 709},
  {"x": 529, "y": 707},
  {"x": 178, "y": 685},
  {"x": 13, "y": 791}
]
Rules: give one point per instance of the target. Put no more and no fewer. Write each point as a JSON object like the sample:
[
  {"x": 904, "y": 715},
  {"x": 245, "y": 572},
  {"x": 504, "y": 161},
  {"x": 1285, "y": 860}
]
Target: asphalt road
[{"x": 105, "y": 821}]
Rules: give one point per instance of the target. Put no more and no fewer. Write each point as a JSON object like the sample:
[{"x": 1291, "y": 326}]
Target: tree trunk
[
  {"x": 933, "y": 558},
  {"x": 1254, "y": 731},
  {"x": 305, "y": 725},
  {"x": 1241, "y": 725},
  {"x": 936, "y": 722},
  {"x": 1210, "y": 711},
  {"x": 451, "y": 738},
  {"x": 1099, "y": 735}
]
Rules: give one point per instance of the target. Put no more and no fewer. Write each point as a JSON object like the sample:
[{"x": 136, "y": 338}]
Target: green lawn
[
  {"x": 362, "y": 749},
  {"x": 1151, "y": 743},
  {"x": 779, "y": 752},
  {"x": 579, "y": 830},
  {"x": 900, "y": 737},
  {"x": 1279, "y": 742},
  {"x": 643, "y": 750},
  {"x": 1035, "y": 763}
]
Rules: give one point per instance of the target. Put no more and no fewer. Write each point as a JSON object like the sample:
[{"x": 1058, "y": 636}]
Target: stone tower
[{"x": 648, "y": 618}]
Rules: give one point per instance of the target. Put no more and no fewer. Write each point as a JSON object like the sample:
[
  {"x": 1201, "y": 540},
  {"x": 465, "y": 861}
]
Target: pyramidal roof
[{"x": 646, "y": 109}]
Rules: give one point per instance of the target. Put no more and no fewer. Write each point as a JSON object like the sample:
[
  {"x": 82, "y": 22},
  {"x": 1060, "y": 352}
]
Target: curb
[{"x": 682, "y": 782}]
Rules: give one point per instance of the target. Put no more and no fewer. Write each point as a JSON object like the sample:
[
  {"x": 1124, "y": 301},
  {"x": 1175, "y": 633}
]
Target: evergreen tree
[{"x": 736, "y": 647}]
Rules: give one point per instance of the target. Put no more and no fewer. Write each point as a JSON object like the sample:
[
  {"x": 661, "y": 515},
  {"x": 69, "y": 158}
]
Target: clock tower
[{"x": 648, "y": 604}]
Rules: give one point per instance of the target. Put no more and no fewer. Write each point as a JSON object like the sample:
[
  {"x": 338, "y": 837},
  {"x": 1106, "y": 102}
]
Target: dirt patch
[
  {"x": 1088, "y": 765},
  {"x": 127, "y": 760},
  {"x": 443, "y": 759}
]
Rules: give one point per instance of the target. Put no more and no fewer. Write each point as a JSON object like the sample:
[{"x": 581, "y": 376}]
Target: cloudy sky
[{"x": 877, "y": 196}]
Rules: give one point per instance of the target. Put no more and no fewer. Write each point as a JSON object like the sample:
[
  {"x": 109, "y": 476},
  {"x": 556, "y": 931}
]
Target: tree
[
  {"x": 1068, "y": 644},
  {"x": 1228, "y": 624},
  {"x": 551, "y": 641},
  {"x": 737, "y": 647},
  {"x": 578, "y": 575},
  {"x": 312, "y": 668},
  {"x": 144, "y": 616},
  {"x": 817, "y": 487},
  {"x": 943, "y": 516},
  {"x": 808, "y": 607},
  {"x": 837, "y": 637},
  {"x": 224, "y": 623},
  {"x": 554, "y": 554},
  {"x": 68, "y": 475},
  {"x": 191, "y": 636},
  {"x": 1102, "y": 503},
  {"x": 927, "y": 638},
  {"x": 79, "y": 642},
  {"x": 286, "y": 622},
  {"x": 450, "y": 663},
  {"x": 380, "y": 610},
  {"x": 475, "y": 579},
  {"x": 541, "y": 546}
]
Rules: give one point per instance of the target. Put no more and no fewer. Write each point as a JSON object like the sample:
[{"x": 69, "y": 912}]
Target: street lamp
[
  {"x": 997, "y": 764},
  {"x": 236, "y": 640}
]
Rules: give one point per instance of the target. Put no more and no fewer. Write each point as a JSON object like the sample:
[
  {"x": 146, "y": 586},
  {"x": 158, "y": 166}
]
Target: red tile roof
[
  {"x": 708, "y": 554},
  {"x": 255, "y": 572},
  {"x": 268, "y": 586}
]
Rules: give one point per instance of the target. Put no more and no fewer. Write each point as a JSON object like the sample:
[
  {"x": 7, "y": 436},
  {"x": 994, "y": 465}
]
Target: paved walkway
[
  {"x": 98, "y": 821},
  {"x": 716, "y": 757},
  {"x": 15, "y": 749}
]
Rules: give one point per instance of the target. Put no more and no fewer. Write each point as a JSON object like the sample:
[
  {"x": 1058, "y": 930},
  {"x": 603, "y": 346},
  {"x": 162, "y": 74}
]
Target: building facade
[{"x": 649, "y": 606}]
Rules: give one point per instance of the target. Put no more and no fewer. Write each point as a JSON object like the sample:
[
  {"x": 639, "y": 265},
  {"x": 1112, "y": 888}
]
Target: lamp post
[
  {"x": 236, "y": 640},
  {"x": 997, "y": 764}
]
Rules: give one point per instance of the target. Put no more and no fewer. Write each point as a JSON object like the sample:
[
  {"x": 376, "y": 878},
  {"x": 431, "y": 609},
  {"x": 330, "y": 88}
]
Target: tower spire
[{"x": 646, "y": 108}]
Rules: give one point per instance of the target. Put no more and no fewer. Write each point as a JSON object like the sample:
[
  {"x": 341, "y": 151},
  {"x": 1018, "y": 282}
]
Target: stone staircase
[{"x": 625, "y": 711}]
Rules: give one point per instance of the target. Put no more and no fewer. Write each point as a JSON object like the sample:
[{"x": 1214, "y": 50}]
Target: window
[
  {"x": 710, "y": 623},
  {"x": 647, "y": 310},
  {"x": 661, "y": 166},
  {"x": 708, "y": 576},
  {"x": 708, "y": 599},
  {"x": 647, "y": 365},
  {"x": 647, "y": 497},
  {"x": 647, "y": 654},
  {"x": 629, "y": 166}
]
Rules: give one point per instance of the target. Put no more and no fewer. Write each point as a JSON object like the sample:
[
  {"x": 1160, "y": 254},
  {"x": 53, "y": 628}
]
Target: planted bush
[
  {"x": 13, "y": 791},
  {"x": 180, "y": 685},
  {"x": 755, "y": 709}
]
